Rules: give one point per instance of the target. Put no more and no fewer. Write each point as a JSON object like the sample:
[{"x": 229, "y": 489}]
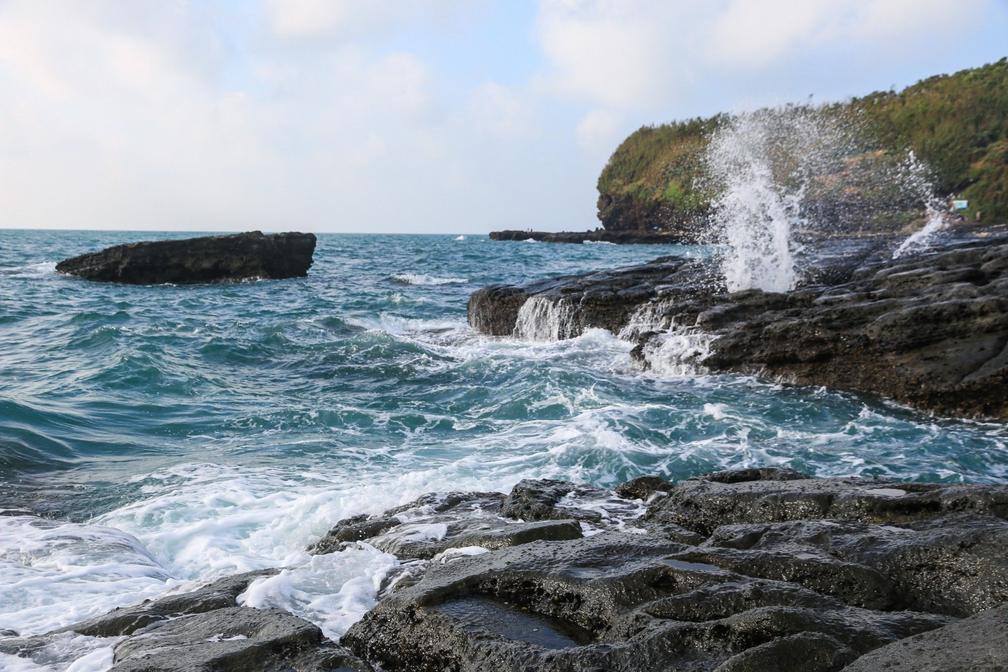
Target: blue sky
[{"x": 408, "y": 115}]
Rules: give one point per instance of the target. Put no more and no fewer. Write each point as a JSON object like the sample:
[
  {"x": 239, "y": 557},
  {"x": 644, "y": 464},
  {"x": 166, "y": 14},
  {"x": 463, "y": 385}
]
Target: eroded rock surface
[
  {"x": 741, "y": 571},
  {"x": 929, "y": 330},
  {"x": 240, "y": 256},
  {"x": 764, "y": 569}
]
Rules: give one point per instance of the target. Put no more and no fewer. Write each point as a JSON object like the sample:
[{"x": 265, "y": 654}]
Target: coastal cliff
[{"x": 657, "y": 178}]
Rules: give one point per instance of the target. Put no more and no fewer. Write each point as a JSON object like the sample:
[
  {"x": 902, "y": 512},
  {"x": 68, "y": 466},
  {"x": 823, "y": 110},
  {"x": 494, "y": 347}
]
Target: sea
[{"x": 156, "y": 437}]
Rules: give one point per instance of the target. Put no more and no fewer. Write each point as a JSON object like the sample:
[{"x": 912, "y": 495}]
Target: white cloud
[
  {"x": 755, "y": 33},
  {"x": 389, "y": 115},
  {"x": 599, "y": 131},
  {"x": 650, "y": 54},
  {"x": 499, "y": 109}
]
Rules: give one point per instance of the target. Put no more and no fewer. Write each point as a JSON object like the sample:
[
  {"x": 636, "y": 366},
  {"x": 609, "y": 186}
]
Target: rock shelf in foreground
[
  {"x": 739, "y": 571},
  {"x": 929, "y": 330},
  {"x": 242, "y": 256}
]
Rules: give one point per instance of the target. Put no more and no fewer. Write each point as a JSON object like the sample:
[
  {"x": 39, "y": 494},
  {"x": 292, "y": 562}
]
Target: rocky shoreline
[
  {"x": 929, "y": 330},
  {"x": 757, "y": 569},
  {"x": 635, "y": 237}
]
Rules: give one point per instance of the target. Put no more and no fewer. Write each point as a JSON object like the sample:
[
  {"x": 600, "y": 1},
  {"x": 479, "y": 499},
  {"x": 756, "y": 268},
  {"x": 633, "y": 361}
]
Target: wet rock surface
[
  {"x": 929, "y": 330},
  {"x": 241, "y": 256},
  {"x": 747, "y": 570},
  {"x": 234, "y": 638},
  {"x": 204, "y": 630}
]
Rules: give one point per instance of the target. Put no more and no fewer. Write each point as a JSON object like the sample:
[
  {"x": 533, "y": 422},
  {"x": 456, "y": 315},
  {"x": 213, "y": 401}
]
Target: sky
[{"x": 409, "y": 116}]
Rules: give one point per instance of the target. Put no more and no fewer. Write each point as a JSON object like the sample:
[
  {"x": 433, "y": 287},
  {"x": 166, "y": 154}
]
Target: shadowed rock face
[
  {"x": 241, "y": 256},
  {"x": 929, "y": 330}
]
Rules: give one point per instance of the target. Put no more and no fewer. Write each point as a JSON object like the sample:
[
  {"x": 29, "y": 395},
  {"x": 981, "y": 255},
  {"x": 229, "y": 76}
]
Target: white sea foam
[
  {"x": 647, "y": 317},
  {"x": 56, "y": 573},
  {"x": 333, "y": 591},
  {"x": 542, "y": 318},
  {"x": 755, "y": 212},
  {"x": 67, "y": 652},
  {"x": 424, "y": 279},
  {"x": 678, "y": 352},
  {"x": 921, "y": 240},
  {"x": 460, "y": 237},
  {"x": 36, "y": 270}
]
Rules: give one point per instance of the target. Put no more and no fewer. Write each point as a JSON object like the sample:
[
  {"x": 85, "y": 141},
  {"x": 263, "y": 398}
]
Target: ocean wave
[{"x": 424, "y": 279}]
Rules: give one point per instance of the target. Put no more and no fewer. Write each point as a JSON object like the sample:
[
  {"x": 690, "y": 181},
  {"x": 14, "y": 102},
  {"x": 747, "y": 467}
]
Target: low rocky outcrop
[
  {"x": 930, "y": 330},
  {"x": 205, "y": 631},
  {"x": 737, "y": 571},
  {"x": 241, "y": 256},
  {"x": 625, "y": 237}
]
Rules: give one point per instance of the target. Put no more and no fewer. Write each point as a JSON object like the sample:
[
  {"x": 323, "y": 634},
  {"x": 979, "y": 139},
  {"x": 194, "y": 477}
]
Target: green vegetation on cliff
[{"x": 957, "y": 124}]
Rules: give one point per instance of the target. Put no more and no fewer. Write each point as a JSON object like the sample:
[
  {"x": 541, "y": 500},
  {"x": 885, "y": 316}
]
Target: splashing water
[
  {"x": 915, "y": 175},
  {"x": 783, "y": 172},
  {"x": 755, "y": 212},
  {"x": 543, "y": 319}
]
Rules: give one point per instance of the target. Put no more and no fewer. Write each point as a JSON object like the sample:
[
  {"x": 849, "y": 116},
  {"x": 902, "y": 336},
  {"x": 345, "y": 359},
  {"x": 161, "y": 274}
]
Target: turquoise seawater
[{"x": 153, "y": 436}]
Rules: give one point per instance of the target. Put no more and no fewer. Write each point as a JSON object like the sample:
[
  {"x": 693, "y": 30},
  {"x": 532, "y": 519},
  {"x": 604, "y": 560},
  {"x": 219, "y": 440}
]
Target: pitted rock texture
[
  {"x": 241, "y": 256},
  {"x": 434, "y": 524},
  {"x": 781, "y": 572},
  {"x": 739, "y": 571},
  {"x": 929, "y": 330},
  {"x": 976, "y": 644},
  {"x": 234, "y": 638}
]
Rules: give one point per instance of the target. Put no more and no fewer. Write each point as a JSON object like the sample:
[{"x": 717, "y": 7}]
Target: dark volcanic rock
[
  {"x": 434, "y": 524},
  {"x": 235, "y": 638},
  {"x": 127, "y": 620},
  {"x": 205, "y": 631},
  {"x": 240, "y": 256},
  {"x": 705, "y": 503},
  {"x": 929, "y": 330},
  {"x": 635, "y": 237},
  {"x": 785, "y": 573},
  {"x": 744, "y": 571},
  {"x": 605, "y": 299},
  {"x": 613, "y": 601},
  {"x": 977, "y": 644}
]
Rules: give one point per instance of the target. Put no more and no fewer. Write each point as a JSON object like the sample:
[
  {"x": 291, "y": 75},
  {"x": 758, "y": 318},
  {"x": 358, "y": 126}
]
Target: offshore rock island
[{"x": 241, "y": 256}]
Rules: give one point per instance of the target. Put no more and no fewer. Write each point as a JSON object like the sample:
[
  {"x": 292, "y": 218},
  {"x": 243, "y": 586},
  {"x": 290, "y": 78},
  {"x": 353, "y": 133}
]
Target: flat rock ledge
[
  {"x": 242, "y": 256},
  {"x": 748, "y": 570},
  {"x": 642, "y": 237},
  {"x": 929, "y": 330}
]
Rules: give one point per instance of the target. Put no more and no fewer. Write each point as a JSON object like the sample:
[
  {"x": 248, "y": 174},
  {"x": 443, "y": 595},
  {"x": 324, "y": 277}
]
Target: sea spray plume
[
  {"x": 916, "y": 175},
  {"x": 760, "y": 165}
]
